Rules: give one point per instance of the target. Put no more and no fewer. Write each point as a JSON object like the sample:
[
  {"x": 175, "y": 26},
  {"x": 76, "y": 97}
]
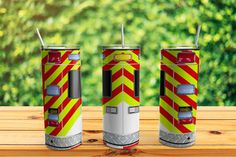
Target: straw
[
  {"x": 197, "y": 36},
  {"x": 122, "y": 36},
  {"x": 40, "y": 38}
]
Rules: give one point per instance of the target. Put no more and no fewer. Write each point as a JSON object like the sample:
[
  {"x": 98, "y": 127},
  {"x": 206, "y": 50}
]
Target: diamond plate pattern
[
  {"x": 63, "y": 143},
  {"x": 177, "y": 140},
  {"x": 119, "y": 139}
]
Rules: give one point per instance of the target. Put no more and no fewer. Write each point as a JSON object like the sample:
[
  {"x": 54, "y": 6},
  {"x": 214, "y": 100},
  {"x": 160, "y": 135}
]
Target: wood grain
[{"x": 22, "y": 134}]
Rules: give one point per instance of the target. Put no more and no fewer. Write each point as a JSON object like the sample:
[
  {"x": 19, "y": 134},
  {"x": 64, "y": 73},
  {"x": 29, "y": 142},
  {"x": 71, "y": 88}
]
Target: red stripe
[
  {"x": 43, "y": 80},
  {"x": 45, "y": 59},
  {"x": 107, "y": 52},
  {"x": 66, "y": 118},
  {"x": 130, "y": 146},
  {"x": 117, "y": 75},
  {"x": 176, "y": 106},
  {"x": 186, "y": 99},
  {"x": 183, "y": 97},
  {"x": 189, "y": 71},
  {"x": 63, "y": 88},
  {"x": 73, "y": 62},
  {"x": 167, "y": 69},
  {"x": 136, "y": 51},
  {"x": 105, "y": 100},
  {"x": 134, "y": 64},
  {"x": 109, "y": 65},
  {"x": 170, "y": 102},
  {"x": 130, "y": 92},
  {"x": 46, "y": 123},
  {"x": 197, "y": 59},
  {"x": 177, "y": 76},
  {"x": 64, "y": 72},
  {"x": 54, "y": 98},
  {"x": 181, "y": 128},
  {"x": 169, "y": 56},
  {"x": 51, "y": 71},
  {"x": 59, "y": 77},
  {"x": 128, "y": 75},
  {"x": 55, "y": 66},
  {"x": 115, "y": 92},
  {"x": 186, "y": 68}
]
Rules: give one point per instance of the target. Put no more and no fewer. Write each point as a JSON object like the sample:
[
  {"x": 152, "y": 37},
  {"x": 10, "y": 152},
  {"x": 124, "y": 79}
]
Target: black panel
[
  {"x": 74, "y": 84},
  {"x": 106, "y": 83},
  {"x": 162, "y": 86},
  {"x": 136, "y": 83}
]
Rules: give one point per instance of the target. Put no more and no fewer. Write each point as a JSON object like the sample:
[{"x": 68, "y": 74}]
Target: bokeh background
[{"x": 150, "y": 23}]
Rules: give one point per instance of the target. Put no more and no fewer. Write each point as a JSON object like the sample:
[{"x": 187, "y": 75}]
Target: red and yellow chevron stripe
[
  {"x": 177, "y": 73},
  {"x": 122, "y": 77},
  {"x": 69, "y": 110}
]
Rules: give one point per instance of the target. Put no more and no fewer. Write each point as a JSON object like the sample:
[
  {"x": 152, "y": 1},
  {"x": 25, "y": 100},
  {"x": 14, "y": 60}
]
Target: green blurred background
[{"x": 150, "y": 23}]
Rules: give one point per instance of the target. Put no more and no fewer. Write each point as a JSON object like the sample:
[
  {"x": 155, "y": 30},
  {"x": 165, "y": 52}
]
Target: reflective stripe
[
  {"x": 53, "y": 117},
  {"x": 53, "y": 90},
  {"x": 184, "y": 115},
  {"x": 74, "y": 56},
  {"x": 185, "y": 89},
  {"x": 112, "y": 110},
  {"x": 134, "y": 109}
]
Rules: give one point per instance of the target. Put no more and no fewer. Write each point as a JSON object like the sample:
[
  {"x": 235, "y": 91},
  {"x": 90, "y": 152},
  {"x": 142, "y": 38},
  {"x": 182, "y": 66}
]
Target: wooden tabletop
[{"x": 22, "y": 134}]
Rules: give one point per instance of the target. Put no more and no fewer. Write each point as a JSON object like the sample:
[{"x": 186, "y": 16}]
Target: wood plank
[
  {"x": 97, "y": 114},
  {"x": 7, "y": 125},
  {"x": 21, "y": 134},
  {"x": 99, "y": 108},
  {"x": 220, "y": 137},
  {"x": 99, "y": 150}
]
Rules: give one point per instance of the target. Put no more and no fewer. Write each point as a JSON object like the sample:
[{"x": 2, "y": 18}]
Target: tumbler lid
[
  {"x": 120, "y": 47},
  {"x": 60, "y": 47},
  {"x": 181, "y": 47}
]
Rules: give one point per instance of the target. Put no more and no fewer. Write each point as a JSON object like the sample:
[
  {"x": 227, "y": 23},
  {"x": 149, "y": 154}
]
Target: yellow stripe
[
  {"x": 63, "y": 113},
  {"x": 128, "y": 83},
  {"x": 129, "y": 100},
  {"x": 56, "y": 73},
  {"x": 114, "y": 101},
  {"x": 116, "y": 68},
  {"x": 71, "y": 122},
  {"x": 194, "y": 67},
  {"x": 169, "y": 109},
  {"x": 134, "y": 56},
  {"x": 117, "y": 83},
  {"x": 58, "y": 102},
  {"x": 67, "y": 108},
  {"x": 176, "y": 83},
  {"x": 61, "y": 82},
  {"x": 184, "y": 74},
  {"x": 174, "y": 113},
  {"x": 49, "y": 129},
  {"x": 66, "y": 61},
  {"x": 44, "y": 54},
  {"x": 129, "y": 68},
  {"x": 171, "y": 94},
  {"x": 165, "y": 122}
]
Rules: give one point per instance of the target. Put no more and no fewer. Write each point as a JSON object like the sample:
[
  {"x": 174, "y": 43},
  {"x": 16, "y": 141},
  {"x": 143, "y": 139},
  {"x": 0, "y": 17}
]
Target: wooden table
[{"x": 22, "y": 134}]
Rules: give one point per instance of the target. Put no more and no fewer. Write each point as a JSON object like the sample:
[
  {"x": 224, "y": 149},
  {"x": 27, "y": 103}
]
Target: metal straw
[
  {"x": 122, "y": 36},
  {"x": 40, "y": 38},
  {"x": 197, "y": 36}
]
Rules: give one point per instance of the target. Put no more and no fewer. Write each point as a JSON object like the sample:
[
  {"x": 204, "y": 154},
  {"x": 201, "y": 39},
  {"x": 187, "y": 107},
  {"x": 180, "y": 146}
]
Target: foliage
[{"x": 150, "y": 23}]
